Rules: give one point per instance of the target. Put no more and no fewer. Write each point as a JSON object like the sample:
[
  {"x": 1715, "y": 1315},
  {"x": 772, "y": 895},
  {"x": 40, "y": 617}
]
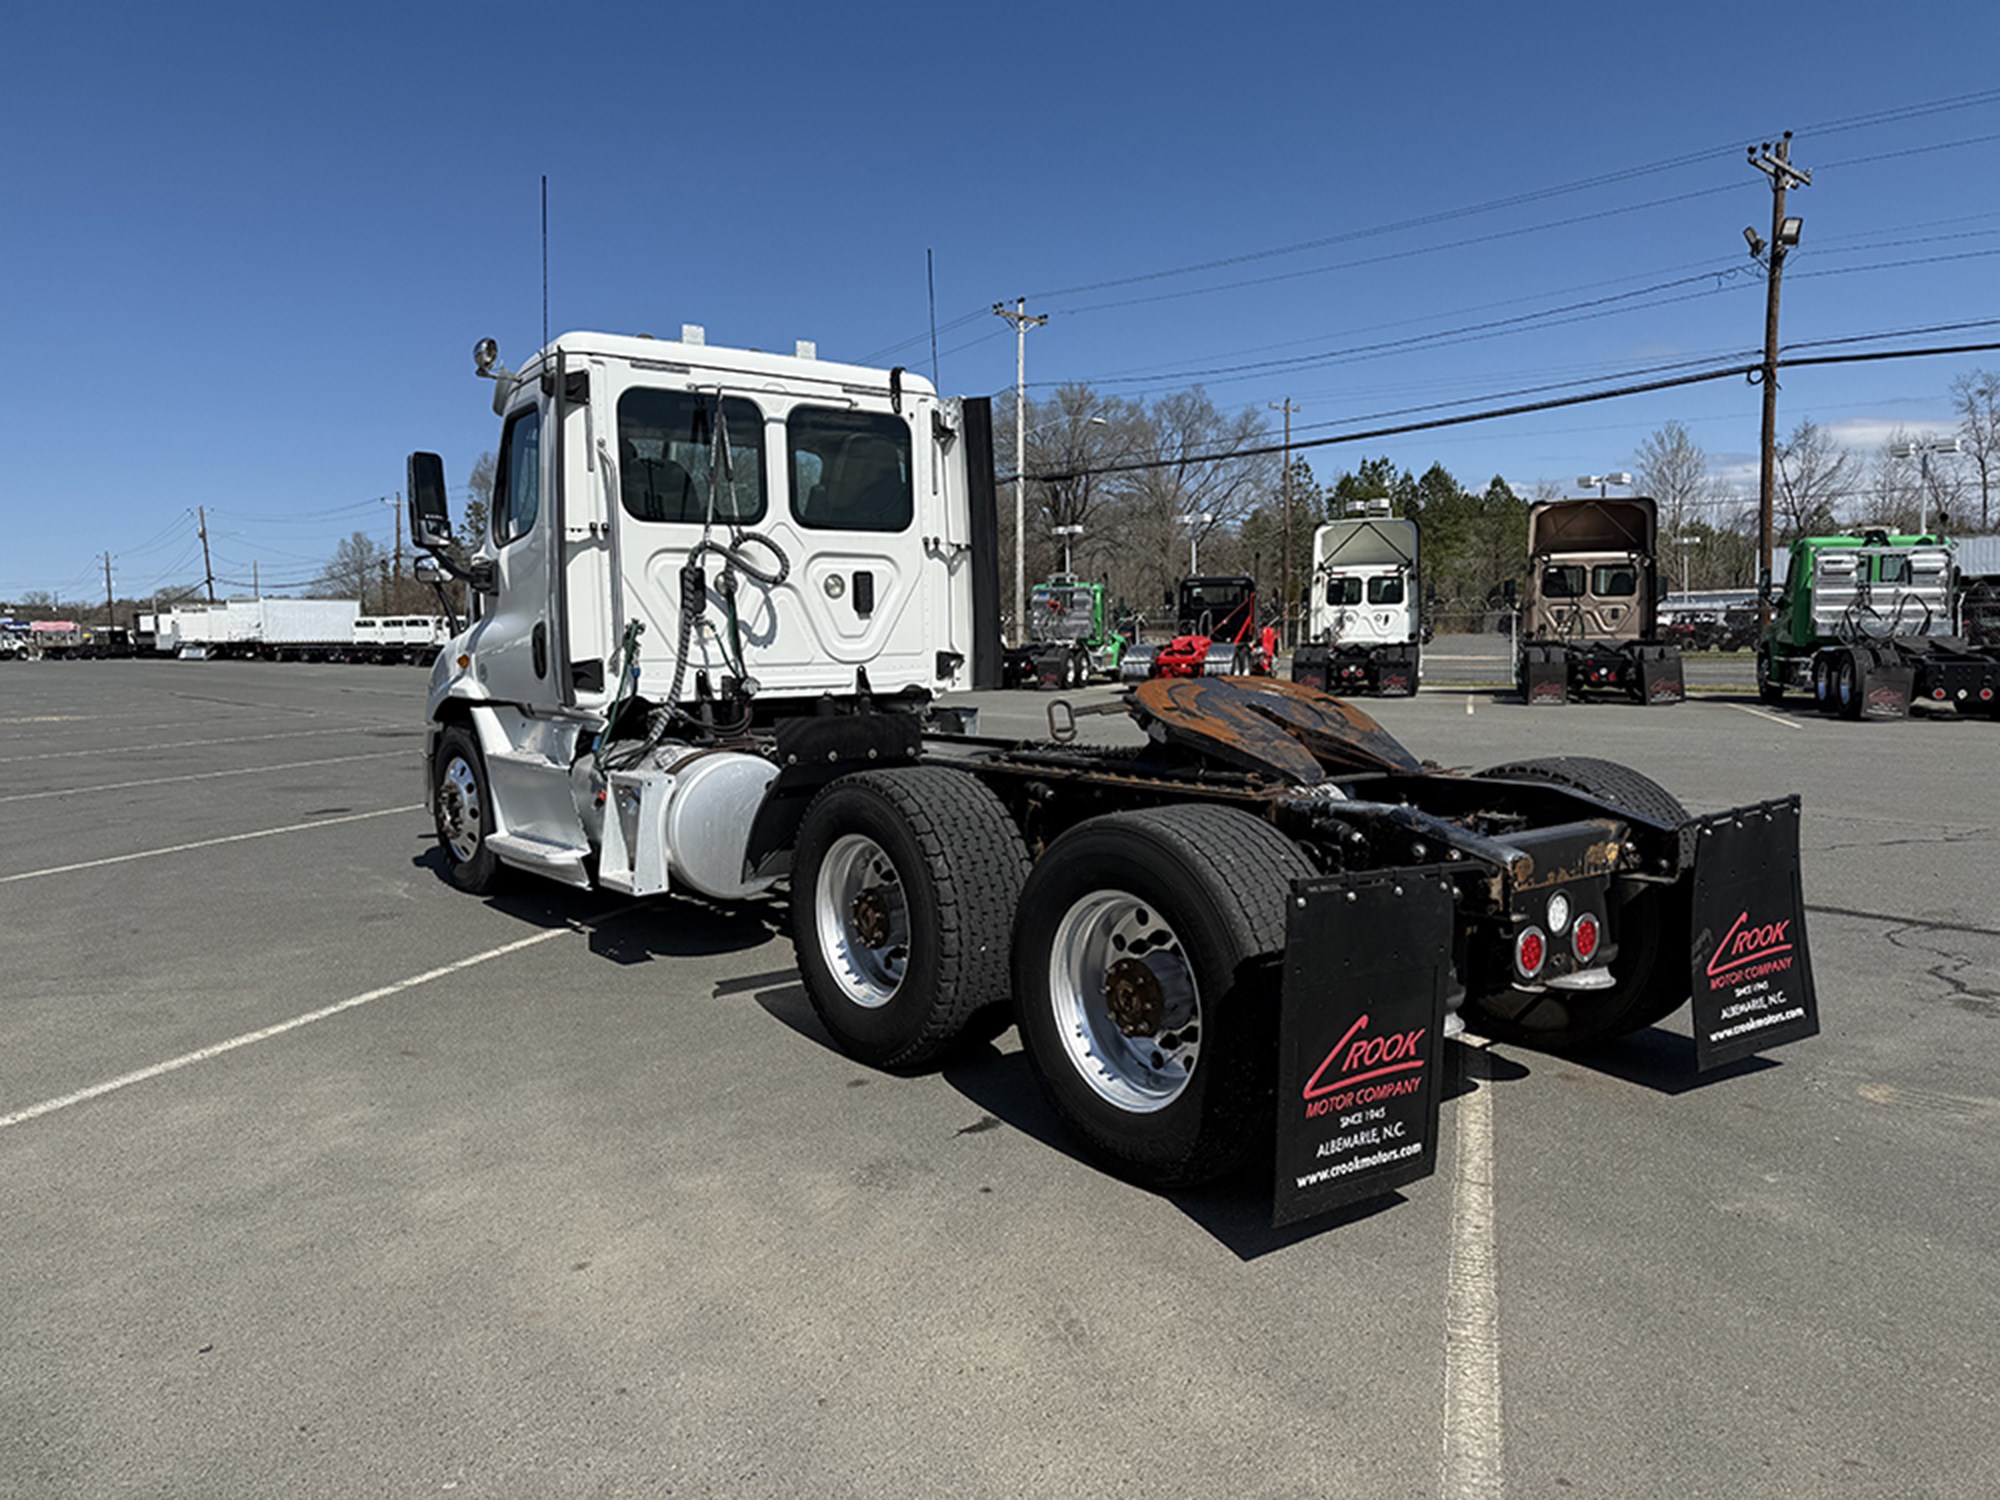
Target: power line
[{"x": 1492, "y": 413}]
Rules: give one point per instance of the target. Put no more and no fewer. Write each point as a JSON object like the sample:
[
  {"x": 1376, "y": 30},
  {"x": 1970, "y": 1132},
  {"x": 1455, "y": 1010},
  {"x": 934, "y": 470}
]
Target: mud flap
[
  {"x": 1367, "y": 960},
  {"x": 1660, "y": 679},
  {"x": 1753, "y": 984},
  {"x": 1544, "y": 678},
  {"x": 1396, "y": 674},
  {"x": 1886, "y": 689},
  {"x": 1309, "y": 666}
]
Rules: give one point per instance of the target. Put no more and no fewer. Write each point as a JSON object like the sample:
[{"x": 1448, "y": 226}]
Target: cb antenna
[{"x": 545, "y": 260}]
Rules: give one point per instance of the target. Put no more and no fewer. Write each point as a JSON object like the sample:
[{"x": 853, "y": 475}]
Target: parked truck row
[{"x": 290, "y": 630}]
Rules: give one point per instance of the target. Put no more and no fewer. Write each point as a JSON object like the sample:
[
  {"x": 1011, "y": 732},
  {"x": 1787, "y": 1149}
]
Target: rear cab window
[
  {"x": 1614, "y": 580},
  {"x": 850, "y": 470},
  {"x": 1387, "y": 589},
  {"x": 667, "y": 451}
]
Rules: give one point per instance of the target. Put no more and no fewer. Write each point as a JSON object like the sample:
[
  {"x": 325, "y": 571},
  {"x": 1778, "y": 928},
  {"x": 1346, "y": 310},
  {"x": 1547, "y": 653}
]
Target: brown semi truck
[{"x": 1591, "y": 621}]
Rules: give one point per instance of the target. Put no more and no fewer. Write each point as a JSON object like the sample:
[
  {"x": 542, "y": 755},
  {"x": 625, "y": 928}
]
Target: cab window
[
  {"x": 1892, "y": 568},
  {"x": 1614, "y": 580},
  {"x": 517, "y": 484},
  {"x": 850, "y": 469},
  {"x": 1562, "y": 583},
  {"x": 1343, "y": 591},
  {"x": 666, "y": 443},
  {"x": 1387, "y": 589}
]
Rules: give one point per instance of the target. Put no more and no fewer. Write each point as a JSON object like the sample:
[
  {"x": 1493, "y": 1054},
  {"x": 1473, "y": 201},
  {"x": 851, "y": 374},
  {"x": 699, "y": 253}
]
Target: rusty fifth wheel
[
  {"x": 1144, "y": 984},
  {"x": 902, "y": 891}
]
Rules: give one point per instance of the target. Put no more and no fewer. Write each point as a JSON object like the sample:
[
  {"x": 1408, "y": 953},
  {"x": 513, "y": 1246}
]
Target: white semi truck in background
[
  {"x": 1364, "y": 620},
  {"x": 724, "y": 607}
]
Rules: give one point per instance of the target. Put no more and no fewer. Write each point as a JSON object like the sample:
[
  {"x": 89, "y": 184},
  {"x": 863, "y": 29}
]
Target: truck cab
[
  {"x": 1363, "y": 625},
  {"x": 1591, "y": 620},
  {"x": 681, "y": 532}
]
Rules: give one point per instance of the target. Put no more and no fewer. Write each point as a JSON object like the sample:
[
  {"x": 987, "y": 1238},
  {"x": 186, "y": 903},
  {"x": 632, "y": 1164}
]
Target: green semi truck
[
  {"x": 1865, "y": 625},
  {"x": 1070, "y": 638}
]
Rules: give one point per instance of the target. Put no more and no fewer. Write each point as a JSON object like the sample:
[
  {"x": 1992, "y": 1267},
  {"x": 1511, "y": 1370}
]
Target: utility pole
[
  {"x": 256, "y": 584},
  {"x": 399, "y": 538},
  {"x": 207, "y": 567},
  {"x": 1018, "y": 316},
  {"x": 107, "y": 591},
  {"x": 1775, "y": 164},
  {"x": 1285, "y": 567}
]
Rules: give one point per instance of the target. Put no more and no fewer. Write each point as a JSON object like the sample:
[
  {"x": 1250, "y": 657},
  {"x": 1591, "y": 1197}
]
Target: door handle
[
  {"x": 864, "y": 592},
  {"x": 539, "y": 642}
]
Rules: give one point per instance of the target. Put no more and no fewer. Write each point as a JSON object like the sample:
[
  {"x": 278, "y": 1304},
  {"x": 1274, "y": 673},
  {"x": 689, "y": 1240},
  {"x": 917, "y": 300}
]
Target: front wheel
[
  {"x": 1146, "y": 985},
  {"x": 462, "y": 803},
  {"x": 1769, "y": 690}
]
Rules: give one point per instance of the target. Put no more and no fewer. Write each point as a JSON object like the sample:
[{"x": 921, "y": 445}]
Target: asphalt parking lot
[{"x": 325, "y": 1179}]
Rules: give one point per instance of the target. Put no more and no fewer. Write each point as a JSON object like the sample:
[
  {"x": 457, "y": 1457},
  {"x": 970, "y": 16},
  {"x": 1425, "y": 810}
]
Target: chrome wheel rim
[
  {"x": 1126, "y": 1005},
  {"x": 863, "y": 916},
  {"x": 459, "y": 812}
]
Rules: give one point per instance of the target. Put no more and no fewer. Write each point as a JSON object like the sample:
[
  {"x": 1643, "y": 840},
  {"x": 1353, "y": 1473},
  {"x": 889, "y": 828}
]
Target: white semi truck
[
  {"x": 1364, "y": 624},
  {"x": 724, "y": 607}
]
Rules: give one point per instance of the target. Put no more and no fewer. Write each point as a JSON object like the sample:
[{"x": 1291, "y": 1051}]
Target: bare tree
[
  {"x": 351, "y": 571},
  {"x": 1674, "y": 471},
  {"x": 1813, "y": 471},
  {"x": 1976, "y": 398}
]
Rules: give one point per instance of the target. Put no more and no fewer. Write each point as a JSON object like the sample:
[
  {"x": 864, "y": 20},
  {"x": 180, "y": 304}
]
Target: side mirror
[
  {"x": 429, "y": 570},
  {"x": 1507, "y": 591},
  {"x": 430, "y": 516},
  {"x": 1764, "y": 591},
  {"x": 483, "y": 576},
  {"x": 1167, "y": 598}
]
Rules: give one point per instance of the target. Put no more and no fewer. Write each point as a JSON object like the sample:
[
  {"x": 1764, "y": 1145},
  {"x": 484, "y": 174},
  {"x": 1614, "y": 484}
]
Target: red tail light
[
  {"x": 1531, "y": 951},
  {"x": 1583, "y": 937}
]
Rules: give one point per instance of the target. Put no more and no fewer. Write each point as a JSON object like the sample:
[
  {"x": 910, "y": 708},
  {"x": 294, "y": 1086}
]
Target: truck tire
[
  {"x": 1822, "y": 681},
  {"x": 1769, "y": 689},
  {"x": 1653, "y": 972},
  {"x": 903, "y": 892},
  {"x": 1146, "y": 985},
  {"x": 463, "y": 812},
  {"x": 1848, "y": 670}
]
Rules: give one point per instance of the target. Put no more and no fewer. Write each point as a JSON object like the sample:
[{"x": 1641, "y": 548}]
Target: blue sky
[{"x": 248, "y": 249}]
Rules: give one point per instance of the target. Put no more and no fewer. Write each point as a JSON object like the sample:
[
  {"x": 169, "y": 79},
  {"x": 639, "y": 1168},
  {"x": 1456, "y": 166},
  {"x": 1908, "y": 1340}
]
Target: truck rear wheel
[
  {"x": 1652, "y": 973},
  {"x": 463, "y": 809},
  {"x": 903, "y": 892},
  {"x": 1848, "y": 669},
  {"x": 1146, "y": 984}
]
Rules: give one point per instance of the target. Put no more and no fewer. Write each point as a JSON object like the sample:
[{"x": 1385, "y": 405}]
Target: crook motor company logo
[
  {"x": 1750, "y": 951},
  {"x": 1364, "y": 1070}
]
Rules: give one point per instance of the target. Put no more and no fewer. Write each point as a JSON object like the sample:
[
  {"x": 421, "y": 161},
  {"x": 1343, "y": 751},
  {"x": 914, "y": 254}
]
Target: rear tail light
[
  {"x": 1986, "y": 695},
  {"x": 1584, "y": 937},
  {"x": 1531, "y": 951},
  {"x": 1937, "y": 692}
]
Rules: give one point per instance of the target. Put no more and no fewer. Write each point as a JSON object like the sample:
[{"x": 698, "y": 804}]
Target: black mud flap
[
  {"x": 1396, "y": 675},
  {"x": 1309, "y": 667},
  {"x": 1544, "y": 678},
  {"x": 1886, "y": 690},
  {"x": 1753, "y": 983},
  {"x": 1367, "y": 959},
  {"x": 1660, "y": 679}
]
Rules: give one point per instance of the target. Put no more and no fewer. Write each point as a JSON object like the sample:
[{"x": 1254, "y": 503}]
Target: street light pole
[
  {"x": 1922, "y": 451},
  {"x": 1018, "y": 316},
  {"x": 1776, "y": 165}
]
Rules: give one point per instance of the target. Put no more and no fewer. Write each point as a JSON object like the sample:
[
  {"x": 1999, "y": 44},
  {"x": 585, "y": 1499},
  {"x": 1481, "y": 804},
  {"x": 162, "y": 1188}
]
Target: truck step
[{"x": 542, "y": 856}]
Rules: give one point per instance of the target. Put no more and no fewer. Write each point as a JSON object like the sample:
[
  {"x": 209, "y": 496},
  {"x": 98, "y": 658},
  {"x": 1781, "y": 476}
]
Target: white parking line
[
  {"x": 1744, "y": 708},
  {"x": 248, "y": 1038},
  {"x": 234, "y": 739},
  {"x": 233, "y": 838},
  {"x": 1472, "y": 1467},
  {"x": 120, "y": 786}
]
